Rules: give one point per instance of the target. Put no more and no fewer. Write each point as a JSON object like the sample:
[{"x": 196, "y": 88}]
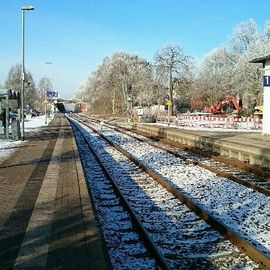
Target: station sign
[
  {"x": 52, "y": 94},
  {"x": 266, "y": 81}
]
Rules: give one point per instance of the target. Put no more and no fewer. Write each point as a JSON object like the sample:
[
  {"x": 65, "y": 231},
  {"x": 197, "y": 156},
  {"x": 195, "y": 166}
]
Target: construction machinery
[{"x": 227, "y": 106}]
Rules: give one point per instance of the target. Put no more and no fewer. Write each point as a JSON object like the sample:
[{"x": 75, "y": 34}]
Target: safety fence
[{"x": 248, "y": 123}]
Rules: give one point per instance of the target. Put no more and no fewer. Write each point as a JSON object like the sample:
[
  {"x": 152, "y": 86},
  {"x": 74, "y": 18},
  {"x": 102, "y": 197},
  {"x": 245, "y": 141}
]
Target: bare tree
[
  {"x": 224, "y": 71},
  {"x": 31, "y": 95},
  {"x": 14, "y": 78},
  {"x": 245, "y": 44},
  {"x": 44, "y": 85},
  {"x": 172, "y": 65},
  {"x": 245, "y": 37},
  {"x": 214, "y": 77},
  {"x": 118, "y": 83},
  {"x": 14, "y": 82},
  {"x": 227, "y": 71}
]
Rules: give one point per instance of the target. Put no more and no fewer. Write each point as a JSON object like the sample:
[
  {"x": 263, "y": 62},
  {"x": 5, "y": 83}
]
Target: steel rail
[
  {"x": 201, "y": 164},
  {"x": 153, "y": 249},
  {"x": 218, "y": 172},
  {"x": 241, "y": 243}
]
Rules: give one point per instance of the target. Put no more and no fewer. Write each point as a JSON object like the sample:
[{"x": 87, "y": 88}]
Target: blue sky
[{"x": 75, "y": 35}]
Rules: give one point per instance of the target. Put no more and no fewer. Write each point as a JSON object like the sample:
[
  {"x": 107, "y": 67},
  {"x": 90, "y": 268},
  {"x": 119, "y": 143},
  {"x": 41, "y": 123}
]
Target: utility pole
[{"x": 170, "y": 104}]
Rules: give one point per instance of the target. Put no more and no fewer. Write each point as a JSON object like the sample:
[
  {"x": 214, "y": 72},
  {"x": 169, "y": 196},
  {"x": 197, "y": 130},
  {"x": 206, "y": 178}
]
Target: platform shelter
[
  {"x": 9, "y": 103},
  {"x": 266, "y": 94}
]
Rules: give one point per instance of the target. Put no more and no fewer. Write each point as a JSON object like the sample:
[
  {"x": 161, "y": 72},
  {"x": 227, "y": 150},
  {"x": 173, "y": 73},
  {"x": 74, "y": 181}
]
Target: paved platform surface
[
  {"x": 249, "y": 147},
  {"x": 243, "y": 137},
  {"x": 46, "y": 219}
]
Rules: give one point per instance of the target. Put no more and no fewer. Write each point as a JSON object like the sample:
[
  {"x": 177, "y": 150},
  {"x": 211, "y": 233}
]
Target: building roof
[
  {"x": 3, "y": 91},
  {"x": 260, "y": 59}
]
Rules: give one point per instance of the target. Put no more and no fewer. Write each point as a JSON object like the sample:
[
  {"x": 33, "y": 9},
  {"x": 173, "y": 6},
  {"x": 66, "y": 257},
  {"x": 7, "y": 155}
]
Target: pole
[
  {"x": 170, "y": 107},
  {"x": 45, "y": 113},
  {"x": 22, "y": 82},
  {"x": 23, "y": 73},
  {"x": 7, "y": 118}
]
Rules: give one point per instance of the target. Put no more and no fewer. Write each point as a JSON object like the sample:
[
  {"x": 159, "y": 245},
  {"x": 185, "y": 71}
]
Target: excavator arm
[{"x": 217, "y": 109}]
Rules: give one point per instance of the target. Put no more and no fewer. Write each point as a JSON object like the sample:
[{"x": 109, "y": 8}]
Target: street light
[{"x": 26, "y": 8}]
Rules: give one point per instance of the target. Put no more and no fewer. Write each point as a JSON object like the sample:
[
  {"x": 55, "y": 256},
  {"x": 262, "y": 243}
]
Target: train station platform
[
  {"x": 46, "y": 218},
  {"x": 250, "y": 147}
]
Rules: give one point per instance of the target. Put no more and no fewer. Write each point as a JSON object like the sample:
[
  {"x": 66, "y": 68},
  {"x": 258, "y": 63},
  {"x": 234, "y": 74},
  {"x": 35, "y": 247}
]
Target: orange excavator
[{"x": 226, "y": 106}]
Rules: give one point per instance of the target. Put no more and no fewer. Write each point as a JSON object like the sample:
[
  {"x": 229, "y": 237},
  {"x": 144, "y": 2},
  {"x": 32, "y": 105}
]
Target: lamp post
[{"x": 26, "y": 8}]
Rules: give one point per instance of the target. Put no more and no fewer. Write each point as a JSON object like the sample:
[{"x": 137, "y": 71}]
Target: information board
[{"x": 266, "y": 81}]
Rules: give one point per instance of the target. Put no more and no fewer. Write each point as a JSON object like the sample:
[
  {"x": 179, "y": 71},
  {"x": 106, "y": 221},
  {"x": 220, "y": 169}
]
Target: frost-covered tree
[
  {"x": 173, "y": 68},
  {"x": 266, "y": 39},
  {"x": 14, "y": 78},
  {"x": 120, "y": 81},
  {"x": 214, "y": 77},
  {"x": 228, "y": 71},
  {"x": 222, "y": 72},
  {"x": 14, "y": 82},
  {"x": 245, "y": 44},
  {"x": 245, "y": 38},
  {"x": 44, "y": 84}
]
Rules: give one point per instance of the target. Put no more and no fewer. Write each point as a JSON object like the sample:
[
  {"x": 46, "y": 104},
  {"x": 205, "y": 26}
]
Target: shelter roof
[
  {"x": 262, "y": 59},
  {"x": 12, "y": 94}
]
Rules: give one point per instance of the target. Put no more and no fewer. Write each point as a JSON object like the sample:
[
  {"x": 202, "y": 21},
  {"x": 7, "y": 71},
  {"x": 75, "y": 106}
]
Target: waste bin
[{"x": 15, "y": 128}]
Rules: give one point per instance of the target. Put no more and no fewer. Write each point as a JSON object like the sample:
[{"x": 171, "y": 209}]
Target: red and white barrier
[{"x": 212, "y": 121}]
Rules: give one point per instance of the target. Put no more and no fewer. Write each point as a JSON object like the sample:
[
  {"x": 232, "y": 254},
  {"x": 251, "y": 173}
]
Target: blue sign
[
  {"x": 52, "y": 94},
  {"x": 266, "y": 81}
]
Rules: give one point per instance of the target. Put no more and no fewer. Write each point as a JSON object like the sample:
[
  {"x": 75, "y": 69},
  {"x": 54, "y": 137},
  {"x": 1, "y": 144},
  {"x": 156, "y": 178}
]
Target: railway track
[
  {"x": 256, "y": 180},
  {"x": 246, "y": 178},
  {"x": 181, "y": 239}
]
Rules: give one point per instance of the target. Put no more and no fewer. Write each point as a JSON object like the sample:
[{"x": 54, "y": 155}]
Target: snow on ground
[
  {"x": 34, "y": 124},
  {"x": 199, "y": 126},
  {"x": 8, "y": 146}
]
